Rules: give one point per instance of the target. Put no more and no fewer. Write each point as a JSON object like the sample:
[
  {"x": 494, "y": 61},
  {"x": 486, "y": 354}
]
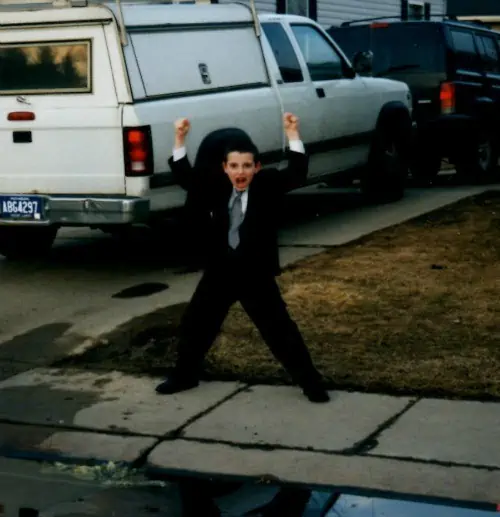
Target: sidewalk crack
[
  {"x": 371, "y": 441},
  {"x": 179, "y": 431},
  {"x": 142, "y": 459}
]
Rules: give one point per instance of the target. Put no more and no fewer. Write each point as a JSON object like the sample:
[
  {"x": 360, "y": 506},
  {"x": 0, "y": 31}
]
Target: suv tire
[{"x": 478, "y": 163}]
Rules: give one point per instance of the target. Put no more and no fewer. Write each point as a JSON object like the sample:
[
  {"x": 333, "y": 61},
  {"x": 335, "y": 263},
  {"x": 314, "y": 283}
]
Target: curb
[{"x": 154, "y": 475}]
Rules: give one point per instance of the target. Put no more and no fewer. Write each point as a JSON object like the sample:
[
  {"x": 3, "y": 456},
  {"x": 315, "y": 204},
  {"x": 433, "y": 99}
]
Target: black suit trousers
[{"x": 260, "y": 296}]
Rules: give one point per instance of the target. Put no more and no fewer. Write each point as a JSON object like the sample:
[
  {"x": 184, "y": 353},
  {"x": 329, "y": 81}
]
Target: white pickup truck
[{"x": 89, "y": 93}]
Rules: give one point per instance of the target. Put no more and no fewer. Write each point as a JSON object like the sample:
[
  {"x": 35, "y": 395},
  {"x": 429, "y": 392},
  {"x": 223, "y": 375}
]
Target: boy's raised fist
[
  {"x": 182, "y": 127},
  {"x": 290, "y": 122}
]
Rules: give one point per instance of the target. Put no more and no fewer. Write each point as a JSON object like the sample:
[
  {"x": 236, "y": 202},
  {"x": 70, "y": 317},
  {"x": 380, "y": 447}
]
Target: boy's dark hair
[{"x": 242, "y": 146}]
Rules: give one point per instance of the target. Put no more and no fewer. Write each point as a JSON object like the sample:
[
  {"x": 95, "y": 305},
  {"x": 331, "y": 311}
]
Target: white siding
[
  {"x": 265, "y": 6},
  {"x": 262, "y": 6},
  {"x": 334, "y": 12}
]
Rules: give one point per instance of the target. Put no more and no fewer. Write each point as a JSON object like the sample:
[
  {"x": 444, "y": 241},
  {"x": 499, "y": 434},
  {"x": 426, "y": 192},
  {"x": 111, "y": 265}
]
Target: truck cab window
[
  {"x": 283, "y": 52},
  {"x": 323, "y": 61}
]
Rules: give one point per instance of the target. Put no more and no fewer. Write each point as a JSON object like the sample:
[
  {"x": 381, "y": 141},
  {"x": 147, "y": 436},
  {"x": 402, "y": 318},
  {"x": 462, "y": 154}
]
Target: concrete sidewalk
[{"x": 358, "y": 443}]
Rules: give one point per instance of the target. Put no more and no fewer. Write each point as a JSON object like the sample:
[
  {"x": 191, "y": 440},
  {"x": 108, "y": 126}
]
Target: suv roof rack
[{"x": 396, "y": 18}]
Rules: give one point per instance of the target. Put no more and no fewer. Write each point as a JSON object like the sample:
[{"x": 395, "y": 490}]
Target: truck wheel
[
  {"x": 479, "y": 163},
  {"x": 387, "y": 171},
  {"x": 25, "y": 243}
]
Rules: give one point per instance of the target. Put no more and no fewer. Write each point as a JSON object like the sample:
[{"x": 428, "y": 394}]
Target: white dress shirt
[{"x": 295, "y": 145}]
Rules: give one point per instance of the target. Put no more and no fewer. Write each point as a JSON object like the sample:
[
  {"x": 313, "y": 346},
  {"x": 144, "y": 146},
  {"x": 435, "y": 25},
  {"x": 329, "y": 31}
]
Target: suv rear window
[
  {"x": 488, "y": 49},
  {"x": 466, "y": 54},
  {"x": 48, "y": 67},
  {"x": 396, "y": 46}
]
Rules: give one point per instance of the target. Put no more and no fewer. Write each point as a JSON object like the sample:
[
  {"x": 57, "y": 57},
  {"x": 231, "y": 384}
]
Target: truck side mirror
[{"x": 363, "y": 62}]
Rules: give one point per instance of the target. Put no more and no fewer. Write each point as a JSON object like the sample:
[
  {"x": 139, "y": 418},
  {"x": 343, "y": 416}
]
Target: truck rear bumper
[{"x": 78, "y": 210}]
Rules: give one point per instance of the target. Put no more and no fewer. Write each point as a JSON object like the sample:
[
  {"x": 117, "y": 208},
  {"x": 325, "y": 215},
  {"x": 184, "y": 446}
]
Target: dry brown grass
[{"x": 411, "y": 309}]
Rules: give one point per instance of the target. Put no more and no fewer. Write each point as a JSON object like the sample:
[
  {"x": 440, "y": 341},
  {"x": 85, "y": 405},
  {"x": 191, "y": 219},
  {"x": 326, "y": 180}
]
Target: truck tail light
[
  {"x": 19, "y": 116},
  {"x": 447, "y": 96},
  {"x": 138, "y": 149}
]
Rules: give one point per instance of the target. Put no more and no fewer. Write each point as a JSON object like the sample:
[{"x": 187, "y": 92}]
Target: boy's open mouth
[{"x": 241, "y": 181}]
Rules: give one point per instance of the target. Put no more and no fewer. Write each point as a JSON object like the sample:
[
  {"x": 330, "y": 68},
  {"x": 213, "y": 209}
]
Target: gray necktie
[{"x": 236, "y": 218}]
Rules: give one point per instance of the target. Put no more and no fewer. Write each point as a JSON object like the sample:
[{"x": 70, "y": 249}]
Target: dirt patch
[{"x": 413, "y": 309}]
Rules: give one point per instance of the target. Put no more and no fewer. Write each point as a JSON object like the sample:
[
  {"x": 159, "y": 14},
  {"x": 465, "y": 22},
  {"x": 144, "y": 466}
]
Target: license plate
[{"x": 25, "y": 208}]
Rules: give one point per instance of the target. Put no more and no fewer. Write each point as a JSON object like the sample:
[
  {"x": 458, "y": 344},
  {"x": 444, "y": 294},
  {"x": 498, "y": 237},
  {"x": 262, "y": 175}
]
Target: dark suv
[{"x": 453, "y": 71}]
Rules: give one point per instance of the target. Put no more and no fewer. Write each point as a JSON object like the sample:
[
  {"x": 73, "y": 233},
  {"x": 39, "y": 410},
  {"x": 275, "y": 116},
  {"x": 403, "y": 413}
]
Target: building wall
[
  {"x": 262, "y": 6},
  {"x": 334, "y": 12},
  {"x": 473, "y": 8},
  {"x": 492, "y": 22}
]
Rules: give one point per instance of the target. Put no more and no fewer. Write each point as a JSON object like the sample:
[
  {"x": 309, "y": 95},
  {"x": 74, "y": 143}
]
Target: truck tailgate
[{"x": 65, "y": 151}]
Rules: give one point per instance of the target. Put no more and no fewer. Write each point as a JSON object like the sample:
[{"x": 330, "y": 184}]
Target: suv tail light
[
  {"x": 138, "y": 149},
  {"x": 447, "y": 98}
]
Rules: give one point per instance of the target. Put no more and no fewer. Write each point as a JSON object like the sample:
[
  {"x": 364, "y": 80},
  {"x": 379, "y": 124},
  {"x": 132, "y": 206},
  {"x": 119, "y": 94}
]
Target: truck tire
[
  {"x": 387, "y": 171},
  {"x": 212, "y": 147},
  {"x": 26, "y": 243},
  {"x": 478, "y": 163}
]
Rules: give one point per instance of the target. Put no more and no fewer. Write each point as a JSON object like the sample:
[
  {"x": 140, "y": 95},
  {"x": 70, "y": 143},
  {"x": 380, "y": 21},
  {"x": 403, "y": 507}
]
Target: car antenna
[{"x": 121, "y": 23}]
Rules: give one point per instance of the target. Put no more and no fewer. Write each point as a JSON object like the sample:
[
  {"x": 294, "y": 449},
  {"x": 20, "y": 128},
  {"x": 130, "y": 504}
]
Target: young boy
[{"x": 243, "y": 259}]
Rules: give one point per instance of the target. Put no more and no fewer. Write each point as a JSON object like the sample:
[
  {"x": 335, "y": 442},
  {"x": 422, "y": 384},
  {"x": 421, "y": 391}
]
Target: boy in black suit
[{"x": 243, "y": 259}]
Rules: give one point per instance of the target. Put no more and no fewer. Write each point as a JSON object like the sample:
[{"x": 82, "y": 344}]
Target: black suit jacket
[{"x": 258, "y": 249}]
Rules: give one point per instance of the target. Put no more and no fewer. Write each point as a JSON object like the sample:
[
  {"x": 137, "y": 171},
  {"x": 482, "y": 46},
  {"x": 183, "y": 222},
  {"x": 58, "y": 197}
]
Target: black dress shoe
[
  {"x": 175, "y": 384},
  {"x": 316, "y": 393}
]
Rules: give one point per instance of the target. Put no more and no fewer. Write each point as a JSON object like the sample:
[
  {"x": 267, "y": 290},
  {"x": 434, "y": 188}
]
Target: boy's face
[{"x": 241, "y": 168}]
